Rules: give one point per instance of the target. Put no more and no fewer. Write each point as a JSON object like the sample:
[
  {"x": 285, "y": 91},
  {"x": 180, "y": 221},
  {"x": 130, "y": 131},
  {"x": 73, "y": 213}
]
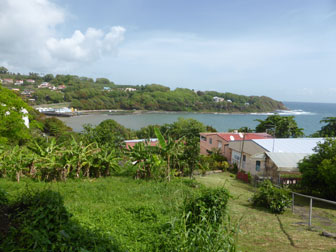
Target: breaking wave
[{"x": 286, "y": 112}]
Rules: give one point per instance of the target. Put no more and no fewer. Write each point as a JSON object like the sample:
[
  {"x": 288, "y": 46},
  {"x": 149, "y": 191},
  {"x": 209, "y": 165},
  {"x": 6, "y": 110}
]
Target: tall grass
[{"x": 120, "y": 213}]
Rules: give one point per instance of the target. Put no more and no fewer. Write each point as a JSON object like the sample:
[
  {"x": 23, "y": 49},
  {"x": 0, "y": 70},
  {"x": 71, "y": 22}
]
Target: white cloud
[
  {"x": 29, "y": 38},
  {"x": 85, "y": 47}
]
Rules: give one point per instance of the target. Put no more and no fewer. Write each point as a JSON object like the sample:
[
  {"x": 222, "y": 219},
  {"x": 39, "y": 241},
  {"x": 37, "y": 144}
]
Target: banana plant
[
  {"x": 170, "y": 151},
  {"x": 106, "y": 161}
]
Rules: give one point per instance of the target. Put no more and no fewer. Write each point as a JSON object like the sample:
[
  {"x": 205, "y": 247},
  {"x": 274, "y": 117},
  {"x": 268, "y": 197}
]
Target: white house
[
  {"x": 272, "y": 157},
  {"x": 218, "y": 99}
]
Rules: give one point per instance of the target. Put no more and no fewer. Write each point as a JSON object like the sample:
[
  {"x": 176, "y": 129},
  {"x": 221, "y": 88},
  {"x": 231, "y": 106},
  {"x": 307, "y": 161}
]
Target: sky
[{"x": 283, "y": 49}]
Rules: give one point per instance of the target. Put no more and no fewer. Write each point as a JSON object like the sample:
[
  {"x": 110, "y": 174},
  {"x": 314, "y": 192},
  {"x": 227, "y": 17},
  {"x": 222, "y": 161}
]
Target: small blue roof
[{"x": 289, "y": 145}]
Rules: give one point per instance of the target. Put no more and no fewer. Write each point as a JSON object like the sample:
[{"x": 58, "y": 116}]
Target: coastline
[{"x": 128, "y": 112}]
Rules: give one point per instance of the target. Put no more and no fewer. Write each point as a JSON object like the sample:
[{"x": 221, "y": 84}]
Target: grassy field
[
  {"x": 133, "y": 212},
  {"x": 263, "y": 231}
]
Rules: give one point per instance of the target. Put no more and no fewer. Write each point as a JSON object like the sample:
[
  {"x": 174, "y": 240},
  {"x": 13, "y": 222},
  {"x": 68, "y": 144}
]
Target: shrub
[
  {"x": 203, "y": 226},
  {"x": 273, "y": 198},
  {"x": 3, "y": 197},
  {"x": 210, "y": 204}
]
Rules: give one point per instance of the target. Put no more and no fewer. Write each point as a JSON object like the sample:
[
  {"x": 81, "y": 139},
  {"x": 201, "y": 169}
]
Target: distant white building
[
  {"x": 218, "y": 99},
  {"x": 130, "y": 89},
  {"x": 18, "y": 82},
  {"x": 44, "y": 85}
]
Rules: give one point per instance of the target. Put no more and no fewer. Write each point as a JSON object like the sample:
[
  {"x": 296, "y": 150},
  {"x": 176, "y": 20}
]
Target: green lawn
[
  {"x": 263, "y": 231},
  {"x": 133, "y": 211}
]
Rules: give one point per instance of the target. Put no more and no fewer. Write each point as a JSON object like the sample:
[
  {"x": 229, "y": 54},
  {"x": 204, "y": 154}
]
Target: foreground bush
[
  {"x": 38, "y": 221},
  {"x": 203, "y": 226},
  {"x": 273, "y": 198}
]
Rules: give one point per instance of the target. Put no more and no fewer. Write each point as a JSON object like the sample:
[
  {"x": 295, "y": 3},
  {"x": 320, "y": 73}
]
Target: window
[
  {"x": 210, "y": 140},
  {"x": 219, "y": 144},
  {"x": 203, "y": 138},
  {"x": 244, "y": 158},
  {"x": 257, "y": 165}
]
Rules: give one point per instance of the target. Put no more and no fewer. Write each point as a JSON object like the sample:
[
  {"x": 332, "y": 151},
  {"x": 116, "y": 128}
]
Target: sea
[{"x": 307, "y": 116}]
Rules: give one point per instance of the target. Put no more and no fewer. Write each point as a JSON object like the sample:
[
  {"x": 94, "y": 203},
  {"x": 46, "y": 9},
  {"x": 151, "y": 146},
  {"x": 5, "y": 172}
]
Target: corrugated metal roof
[
  {"x": 231, "y": 136},
  {"x": 289, "y": 145},
  {"x": 286, "y": 161}
]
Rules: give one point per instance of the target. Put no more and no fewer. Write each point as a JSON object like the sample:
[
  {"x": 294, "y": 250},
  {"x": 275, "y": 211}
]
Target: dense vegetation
[
  {"x": 50, "y": 151},
  {"x": 280, "y": 126},
  {"x": 86, "y": 94},
  {"x": 319, "y": 170}
]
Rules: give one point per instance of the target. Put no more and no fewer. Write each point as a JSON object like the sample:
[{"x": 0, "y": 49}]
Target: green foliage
[
  {"x": 319, "y": 170},
  {"x": 203, "y": 226},
  {"x": 3, "y": 70},
  {"x": 146, "y": 132},
  {"x": 3, "y": 197},
  {"x": 83, "y": 93},
  {"x": 328, "y": 130},
  {"x": 48, "y": 77},
  {"x": 270, "y": 197},
  {"x": 156, "y": 88},
  {"x": 51, "y": 161},
  {"x": 107, "y": 132},
  {"x": 39, "y": 221},
  {"x": 12, "y": 128},
  {"x": 211, "y": 204},
  {"x": 242, "y": 129},
  {"x": 55, "y": 127},
  {"x": 280, "y": 126}
]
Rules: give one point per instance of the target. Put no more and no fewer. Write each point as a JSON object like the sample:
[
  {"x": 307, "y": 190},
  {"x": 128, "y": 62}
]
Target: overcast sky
[{"x": 283, "y": 49}]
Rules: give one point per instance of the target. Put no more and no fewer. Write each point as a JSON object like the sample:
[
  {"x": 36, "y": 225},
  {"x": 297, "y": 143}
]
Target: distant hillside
[{"x": 86, "y": 94}]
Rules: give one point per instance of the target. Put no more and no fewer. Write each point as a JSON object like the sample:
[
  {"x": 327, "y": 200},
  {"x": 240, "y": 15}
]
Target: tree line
[{"x": 87, "y": 94}]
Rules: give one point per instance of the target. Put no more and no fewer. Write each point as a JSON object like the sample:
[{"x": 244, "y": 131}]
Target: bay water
[{"x": 307, "y": 116}]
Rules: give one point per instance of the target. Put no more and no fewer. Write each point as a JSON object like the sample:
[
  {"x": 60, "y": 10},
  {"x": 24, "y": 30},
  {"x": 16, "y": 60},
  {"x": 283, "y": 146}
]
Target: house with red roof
[
  {"x": 210, "y": 141},
  {"x": 132, "y": 143}
]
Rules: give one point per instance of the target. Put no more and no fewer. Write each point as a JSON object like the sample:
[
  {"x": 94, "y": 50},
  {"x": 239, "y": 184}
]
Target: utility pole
[{"x": 241, "y": 151}]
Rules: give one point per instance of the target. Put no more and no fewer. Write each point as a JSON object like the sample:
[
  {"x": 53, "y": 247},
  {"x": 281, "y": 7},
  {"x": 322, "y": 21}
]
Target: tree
[
  {"x": 319, "y": 170},
  {"x": 3, "y": 70},
  {"x": 107, "y": 132},
  {"x": 189, "y": 129},
  {"x": 48, "y": 77},
  {"x": 55, "y": 127},
  {"x": 328, "y": 130},
  {"x": 280, "y": 126},
  {"x": 12, "y": 127}
]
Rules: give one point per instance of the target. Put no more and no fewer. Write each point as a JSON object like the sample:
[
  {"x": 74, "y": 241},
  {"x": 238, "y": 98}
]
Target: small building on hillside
[
  {"x": 132, "y": 143},
  {"x": 210, "y": 141},
  {"x": 31, "y": 81},
  {"x": 130, "y": 89},
  {"x": 218, "y": 99},
  {"x": 18, "y": 82},
  {"x": 7, "y": 81},
  {"x": 61, "y": 87},
  {"x": 272, "y": 157},
  {"x": 44, "y": 85}
]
